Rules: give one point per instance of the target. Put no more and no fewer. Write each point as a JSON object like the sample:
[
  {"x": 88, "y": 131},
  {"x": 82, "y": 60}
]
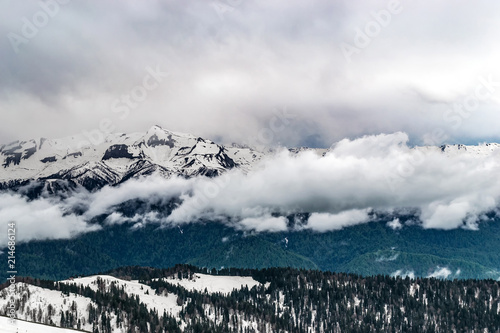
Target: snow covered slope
[
  {"x": 147, "y": 295},
  {"x": 52, "y": 307},
  {"x": 46, "y": 306},
  {"x": 214, "y": 283},
  {"x": 21, "y": 326},
  {"x": 117, "y": 158}
]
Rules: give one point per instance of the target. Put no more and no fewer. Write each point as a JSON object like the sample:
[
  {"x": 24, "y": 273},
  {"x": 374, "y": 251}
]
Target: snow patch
[{"x": 214, "y": 283}]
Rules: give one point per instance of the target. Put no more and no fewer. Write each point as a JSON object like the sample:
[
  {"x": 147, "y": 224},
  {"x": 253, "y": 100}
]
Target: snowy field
[
  {"x": 26, "y": 327},
  {"x": 146, "y": 294},
  {"x": 214, "y": 284}
]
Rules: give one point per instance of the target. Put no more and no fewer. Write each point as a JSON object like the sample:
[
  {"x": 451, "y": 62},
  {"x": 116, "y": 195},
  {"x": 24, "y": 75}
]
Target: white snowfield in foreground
[
  {"x": 37, "y": 304},
  {"x": 39, "y": 299},
  {"x": 27, "y": 327},
  {"x": 213, "y": 283}
]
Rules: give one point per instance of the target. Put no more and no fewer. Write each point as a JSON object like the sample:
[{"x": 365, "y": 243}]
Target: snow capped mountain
[
  {"x": 483, "y": 149},
  {"x": 116, "y": 159},
  {"x": 60, "y": 164}
]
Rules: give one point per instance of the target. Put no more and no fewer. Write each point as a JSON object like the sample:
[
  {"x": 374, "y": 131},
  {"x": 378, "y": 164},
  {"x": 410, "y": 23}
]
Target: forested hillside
[
  {"x": 284, "y": 300},
  {"x": 367, "y": 249}
]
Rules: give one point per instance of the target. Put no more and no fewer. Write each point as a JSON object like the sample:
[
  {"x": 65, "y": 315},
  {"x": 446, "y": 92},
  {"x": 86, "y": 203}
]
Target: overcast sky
[{"x": 223, "y": 69}]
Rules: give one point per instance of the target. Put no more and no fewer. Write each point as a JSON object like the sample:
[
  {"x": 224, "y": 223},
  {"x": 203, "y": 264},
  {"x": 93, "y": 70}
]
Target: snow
[
  {"x": 40, "y": 299},
  {"x": 179, "y": 153},
  {"x": 20, "y": 326},
  {"x": 171, "y": 152},
  {"x": 161, "y": 303},
  {"x": 213, "y": 283}
]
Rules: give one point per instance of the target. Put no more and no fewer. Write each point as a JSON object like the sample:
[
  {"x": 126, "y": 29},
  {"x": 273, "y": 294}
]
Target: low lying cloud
[
  {"x": 40, "y": 219},
  {"x": 391, "y": 258},
  {"x": 264, "y": 223},
  {"x": 353, "y": 183},
  {"x": 328, "y": 222},
  {"x": 450, "y": 189},
  {"x": 147, "y": 189},
  {"x": 404, "y": 274},
  {"x": 440, "y": 273},
  {"x": 395, "y": 224}
]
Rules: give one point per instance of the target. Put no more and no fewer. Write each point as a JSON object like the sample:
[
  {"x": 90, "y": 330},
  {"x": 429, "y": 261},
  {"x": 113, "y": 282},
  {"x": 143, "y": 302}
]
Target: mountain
[
  {"x": 118, "y": 158},
  {"x": 190, "y": 299},
  {"x": 61, "y": 164}
]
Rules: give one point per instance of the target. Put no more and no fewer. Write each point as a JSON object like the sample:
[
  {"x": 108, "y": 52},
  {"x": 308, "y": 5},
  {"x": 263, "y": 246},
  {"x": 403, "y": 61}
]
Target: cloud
[
  {"x": 440, "y": 273},
  {"x": 229, "y": 71},
  {"x": 264, "y": 223},
  {"x": 40, "y": 219},
  {"x": 391, "y": 258},
  {"x": 395, "y": 224},
  {"x": 403, "y": 274},
  {"x": 328, "y": 222},
  {"x": 138, "y": 219},
  {"x": 149, "y": 189},
  {"x": 450, "y": 189},
  {"x": 356, "y": 181}
]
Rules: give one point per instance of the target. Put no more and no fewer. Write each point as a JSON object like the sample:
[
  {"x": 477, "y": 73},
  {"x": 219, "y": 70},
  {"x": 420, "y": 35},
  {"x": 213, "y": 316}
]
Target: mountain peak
[{"x": 118, "y": 158}]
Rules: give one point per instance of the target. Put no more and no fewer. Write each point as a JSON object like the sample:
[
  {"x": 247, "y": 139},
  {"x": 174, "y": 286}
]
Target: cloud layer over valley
[{"x": 353, "y": 183}]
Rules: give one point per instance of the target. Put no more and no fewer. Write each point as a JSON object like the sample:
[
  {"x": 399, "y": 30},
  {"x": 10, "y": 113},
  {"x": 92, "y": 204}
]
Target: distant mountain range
[{"x": 120, "y": 157}]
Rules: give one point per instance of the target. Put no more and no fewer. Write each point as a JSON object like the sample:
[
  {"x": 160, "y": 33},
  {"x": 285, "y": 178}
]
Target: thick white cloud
[
  {"x": 377, "y": 172},
  {"x": 395, "y": 224},
  {"x": 329, "y": 222},
  {"x": 39, "y": 219},
  {"x": 349, "y": 185},
  {"x": 263, "y": 223},
  {"x": 147, "y": 189}
]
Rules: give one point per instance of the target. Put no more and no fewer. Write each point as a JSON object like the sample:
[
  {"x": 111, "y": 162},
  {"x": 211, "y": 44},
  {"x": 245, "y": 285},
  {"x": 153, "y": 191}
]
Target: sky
[{"x": 224, "y": 69}]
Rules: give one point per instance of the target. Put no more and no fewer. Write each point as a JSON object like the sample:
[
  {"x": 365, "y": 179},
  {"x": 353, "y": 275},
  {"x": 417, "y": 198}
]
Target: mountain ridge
[
  {"x": 158, "y": 151},
  {"x": 118, "y": 158}
]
